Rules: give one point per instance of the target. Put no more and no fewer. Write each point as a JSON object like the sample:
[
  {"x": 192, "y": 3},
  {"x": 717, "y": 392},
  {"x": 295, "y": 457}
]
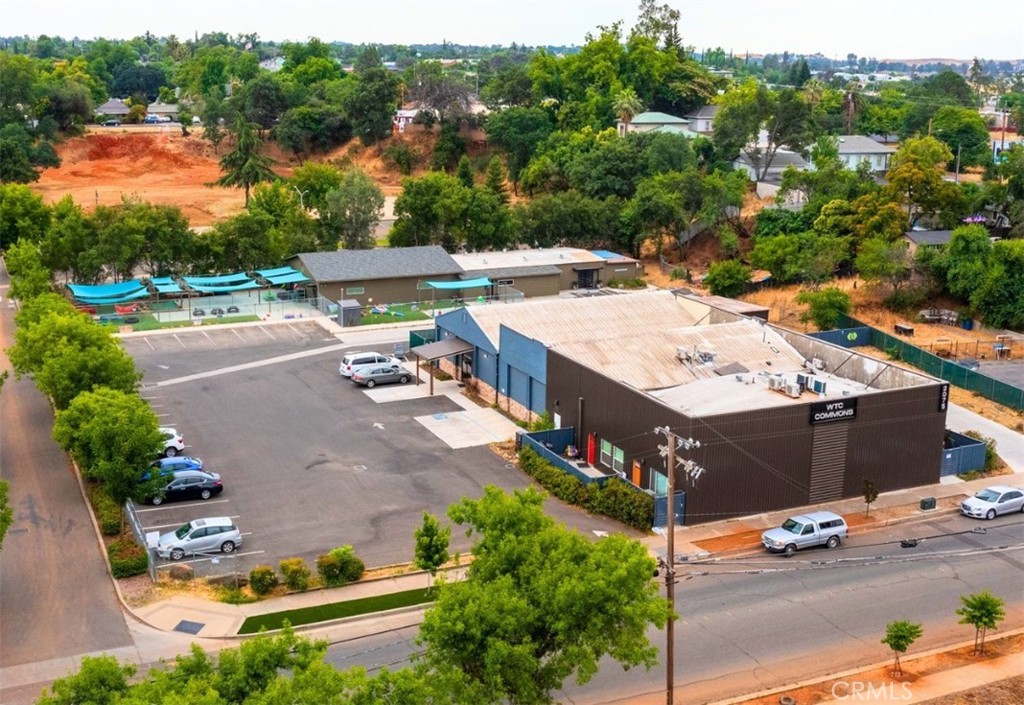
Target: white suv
[
  {"x": 355, "y": 360},
  {"x": 173, "y": 442},
  {"x": 200, "y": 536}
]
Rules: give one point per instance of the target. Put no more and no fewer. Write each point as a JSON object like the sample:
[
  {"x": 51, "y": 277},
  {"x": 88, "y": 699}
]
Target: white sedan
[{"x": 992, "y": 501}]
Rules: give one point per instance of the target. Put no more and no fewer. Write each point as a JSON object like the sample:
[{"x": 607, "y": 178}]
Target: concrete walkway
[{"x": 1009, "y": 444}]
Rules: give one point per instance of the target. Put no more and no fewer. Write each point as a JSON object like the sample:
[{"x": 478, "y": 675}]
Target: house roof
[
  {"x": 657, "y": 119},
  {"x": 113, "y": 106},
  {"x": 379, "y": 263},
  {"x": 540, "y": 270},
  {"x": 929, "y": 237},
  {"x": 674, "y": 129},
  {"x": 157, "y": 108},
  {"x": 859, "y": 144},
  {"x": 557, "y": 322},
  {"x": 706, "y": 111},
  {"x": 478, "y": 261},
  {"x": 781, "y": 160}
]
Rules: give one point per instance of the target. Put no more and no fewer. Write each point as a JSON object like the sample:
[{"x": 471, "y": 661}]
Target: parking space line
[
  {"x": 251, "y": 365},
  {"x": 235, "y": 331},
  {"x": 204, "y": 560},
  {"x": 179, "y": 341},
  {"x": 182, "y": 506},
  {"x": 149, "y": 344},
  {"x": 167, "y": 526},
  {"x": 267, "y": 332},
  {"x": 209, "y": 338}
]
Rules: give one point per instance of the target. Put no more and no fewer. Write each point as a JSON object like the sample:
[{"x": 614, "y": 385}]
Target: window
[
  {"x": 505, "y": 282},
  {"x": 659, "y": 483},
  {"x": 606, "y": 453},
  {"x": 612, "y": 457},
  {"x": 355, "y": 291}
]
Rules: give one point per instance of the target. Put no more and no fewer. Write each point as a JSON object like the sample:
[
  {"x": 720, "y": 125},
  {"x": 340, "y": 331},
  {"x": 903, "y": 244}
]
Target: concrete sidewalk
[{"x": 1009, "y": 444}]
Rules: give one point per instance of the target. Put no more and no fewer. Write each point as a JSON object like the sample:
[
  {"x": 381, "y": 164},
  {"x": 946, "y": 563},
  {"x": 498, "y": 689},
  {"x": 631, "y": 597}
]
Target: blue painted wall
[
  {"x": 523, "y": 371},
  {"x": 460, "y": 324}
]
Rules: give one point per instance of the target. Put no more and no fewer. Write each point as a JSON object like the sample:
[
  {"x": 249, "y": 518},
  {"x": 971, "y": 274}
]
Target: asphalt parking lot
[{"x": 309, "y": 461}]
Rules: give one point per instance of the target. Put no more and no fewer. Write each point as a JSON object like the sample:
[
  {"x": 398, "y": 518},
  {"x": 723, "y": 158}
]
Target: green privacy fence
[{"x": 952, "y": 372}]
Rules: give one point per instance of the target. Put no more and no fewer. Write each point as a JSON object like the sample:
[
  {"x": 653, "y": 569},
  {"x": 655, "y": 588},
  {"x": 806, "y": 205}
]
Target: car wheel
[
  {"x": 156, "y": 501},
  {"x": 833, "y": 541},
  {"x": 205, "y": 494},
  {"x": 227, "y": 547},
  {"x": 370, "y": 384},
  {"x": 403, "y": 379},
  {"x": 171, "y": 452},
  {"x": 177, "y": 554},
  {"x": 790, "y": 550},
  {"x": 991, "y": 514}
]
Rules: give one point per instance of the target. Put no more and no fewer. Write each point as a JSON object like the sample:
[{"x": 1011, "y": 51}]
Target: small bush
[
  {"x": 681, "y": 273},
  {"x": 542, "y": 423},
  {"x": 108, "y": 512},
  {"x": 399, "y": 156},
  {"x": 262, "y": 579},
  {"x": 234, "y": 596},
  {"x": 906, "y": 299},
  {"x": 636, "y": 283},
  {"x": 127, "y": 558},
  {"x": 339, "y": 566},
  {"x": 442, "y": 376},
  {"x": 296, "y": 574}
]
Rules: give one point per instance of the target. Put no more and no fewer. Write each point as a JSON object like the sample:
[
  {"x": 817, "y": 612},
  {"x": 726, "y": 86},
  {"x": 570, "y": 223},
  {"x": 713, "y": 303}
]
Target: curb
[{"x": 869, "y": 667}]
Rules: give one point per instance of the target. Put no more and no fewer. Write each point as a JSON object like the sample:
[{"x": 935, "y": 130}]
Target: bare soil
[{"x": 1005, "y": 692}]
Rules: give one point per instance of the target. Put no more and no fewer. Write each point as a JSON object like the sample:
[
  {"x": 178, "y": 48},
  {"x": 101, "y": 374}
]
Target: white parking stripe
[
  {"x": 223, "y": 555},
  {"x": 179, "y": 341},
  {"x": 209, "y": 338},
  {"x": 182, "y": 506},
  {"x": 267, "y": 332},
  {"x": 250, "y": 365},
  {"x": 237, "y": 335},
  {"x": 167, "y": 526},
  {"x": 149, "y": 344}
]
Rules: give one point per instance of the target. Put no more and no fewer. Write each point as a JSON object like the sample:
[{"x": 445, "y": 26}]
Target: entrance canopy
[
  {"x": 464, "y": 284},
  {"x": 442, "y": 348}
]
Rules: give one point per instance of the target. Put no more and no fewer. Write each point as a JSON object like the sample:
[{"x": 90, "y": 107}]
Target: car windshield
[
  {"x": 987, "y": 495},
  {"x": 792, "y": 526},
  {"x": 183, "y": 530}
]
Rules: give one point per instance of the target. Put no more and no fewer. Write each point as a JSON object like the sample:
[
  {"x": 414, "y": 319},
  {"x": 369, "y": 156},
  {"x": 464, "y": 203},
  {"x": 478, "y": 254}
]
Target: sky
[{"x": 884, "y": 29}]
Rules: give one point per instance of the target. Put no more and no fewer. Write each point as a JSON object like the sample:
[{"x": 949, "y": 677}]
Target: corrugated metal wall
[{"x": 760, "y": 460}]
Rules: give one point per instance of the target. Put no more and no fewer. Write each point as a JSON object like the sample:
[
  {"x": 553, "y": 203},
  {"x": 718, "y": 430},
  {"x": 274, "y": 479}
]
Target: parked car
[
  {"x": 360, "y": 359},
  {"x": 372, "y": 375},
  {"x": 805, "y": 530},
  {"x": 233, "y": 309},
  {"x": 111, "y": 123},
  {"x": 217, "y": 311},
  {"x": 198, "y": 312},
  {"x": 200, "y": 536},
  {"x": 173, "y": 442},
  {"x": 176, "y": 463},
  {"x": 188, "y": 484},
  {"x": 993, "y": 501},
  {"x": 151, "y": 120}
]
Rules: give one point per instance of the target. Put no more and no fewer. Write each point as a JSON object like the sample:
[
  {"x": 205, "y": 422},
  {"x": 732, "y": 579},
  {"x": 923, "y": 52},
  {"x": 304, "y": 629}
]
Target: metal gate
[{"x": 828, "y": 462}]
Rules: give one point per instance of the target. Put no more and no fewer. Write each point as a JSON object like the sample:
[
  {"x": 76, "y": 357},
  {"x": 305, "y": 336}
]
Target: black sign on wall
[
  {"x": 833, "y": 410},
  {"x": 943, "y": 397}
]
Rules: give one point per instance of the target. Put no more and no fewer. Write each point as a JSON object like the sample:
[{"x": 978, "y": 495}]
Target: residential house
[
  {"x": 114, "y": 107},
  {"x": 783, "y": 158},
  {"x": 654, "y": 122},
  {"x": 926, "y": 238},
  {"x": 854, "y": 149},
  {"x": 702, "y": 120}
]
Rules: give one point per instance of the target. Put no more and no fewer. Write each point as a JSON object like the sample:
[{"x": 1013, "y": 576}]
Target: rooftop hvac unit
[
  {"x": 803, "y": 380},
  {"x": 818, "y": 363},
  {"x": 706, "y": 356},
  {"x": 684, "y": 354},
  {"x": 793, "y": 390},
  {"x": 776, "y": 383},
  {"x": 818, "y": 386}
]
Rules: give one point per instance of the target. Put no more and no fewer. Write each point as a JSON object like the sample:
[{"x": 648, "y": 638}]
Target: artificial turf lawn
[{"x": 336, "y": 610}]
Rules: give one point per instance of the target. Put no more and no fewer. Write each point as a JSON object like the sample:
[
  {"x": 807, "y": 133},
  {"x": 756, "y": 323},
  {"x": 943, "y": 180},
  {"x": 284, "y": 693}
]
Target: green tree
[
  {"x": 495, "y": 179},
  {"x": 870, "y": 495},
  {"x": 6, "y": 513},
  {"x": 1000, "y": 298},
  {"x": 312, "y": 181},
  {"x": 29, "y": 278},
  {"x": 824, "y": 306},
  {"x": 510, "y": 87},
  {"x": 530, "y": 614},
  {"x": 915, "y": 176},
  {"x": 23, "y": 214},
  {"x": 965, "y": 133},
  {"x": 244, "y": 166},
  {"x": 448, "y": 149},
  {"x": 899, "y": 636},
  {"x": 429, "y": 211},
  {"x": 371, "y": 104},
  {"x": 112, "y": 436},
  {"x": 99, "y": 680},
  {"x": 15, "y": 166},
  {"x": 353, "y": 211},
  {"x": 983, "y": 611},
  {"x": 308, "y": 129},
  {"x": 69, "y": 243},
  {"x": 881, "y": 260},
  {"x": 464, "y": 171},
  {"x": 432, "y": 541},
  {"x": 518, "y": 131},
  {"x": 965, "y": 260},
  {"x": 627, "y": 105},
  {"x": 70, "y": 370},
  {"x": 727, "y": 278},
  {"x": 262, "y": 102}
]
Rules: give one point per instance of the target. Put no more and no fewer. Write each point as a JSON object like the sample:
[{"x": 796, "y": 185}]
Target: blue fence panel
[
  {"x": 660, "y": 504},
  {"x": 962, "y": 454},
  {"x": 550, "y": 444}
]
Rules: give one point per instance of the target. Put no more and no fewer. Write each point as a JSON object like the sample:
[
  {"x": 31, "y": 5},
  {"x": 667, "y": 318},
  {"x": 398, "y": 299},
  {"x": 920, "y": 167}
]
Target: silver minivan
[
  {"x": 200, "y": 536},
  {"x": 805, "y": 530},
  {"x": 354, "y": 360}
]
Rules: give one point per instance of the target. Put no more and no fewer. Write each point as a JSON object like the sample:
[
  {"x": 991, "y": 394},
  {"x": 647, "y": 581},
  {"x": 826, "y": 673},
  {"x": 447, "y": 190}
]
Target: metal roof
[
  {"x": 477, "y": 261},
  {"x": 654, "y": 118},
  {"x": 560, "y": 321},
  {"x": 442, "y": 348},
  {"x": 859, "y": 144},
  {"x": 706, "y": 111},
  {"x": 378, "y": 263},
  {"x": 929, "y": 237},
  {"x": 540, "y": 270},
  {"x": 781, "y": 159}
]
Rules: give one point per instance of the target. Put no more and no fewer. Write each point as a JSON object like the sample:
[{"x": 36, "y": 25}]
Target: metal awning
[
  {"x": 442, "y": 348},
  {"x": 588, "y": 267}
]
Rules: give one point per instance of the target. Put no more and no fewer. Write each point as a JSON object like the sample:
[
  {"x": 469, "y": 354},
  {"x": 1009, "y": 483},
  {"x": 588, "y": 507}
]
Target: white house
[
  {"x": 655, "y": 122},
  {"x": 702, "y": 120},
  {"x": 854, "y": 149},
  {"x": 782, "y": 159}
]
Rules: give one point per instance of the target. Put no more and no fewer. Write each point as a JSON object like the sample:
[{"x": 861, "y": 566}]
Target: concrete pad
[
  {"x": 463, "y": 429},
  {"x": 217, "y": 619}
]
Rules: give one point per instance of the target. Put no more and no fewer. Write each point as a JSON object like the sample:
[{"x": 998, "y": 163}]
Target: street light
[{"x": 301, "y": 194}]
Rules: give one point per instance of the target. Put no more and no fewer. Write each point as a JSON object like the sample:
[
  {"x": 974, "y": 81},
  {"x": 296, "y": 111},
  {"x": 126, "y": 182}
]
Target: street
[{"x": 741, "y": 632}]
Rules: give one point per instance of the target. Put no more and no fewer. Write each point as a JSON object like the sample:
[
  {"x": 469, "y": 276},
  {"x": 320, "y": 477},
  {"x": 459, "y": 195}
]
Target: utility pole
[
  {"x": 668, "y": 451},
  {"x": 958, "y": 162}
]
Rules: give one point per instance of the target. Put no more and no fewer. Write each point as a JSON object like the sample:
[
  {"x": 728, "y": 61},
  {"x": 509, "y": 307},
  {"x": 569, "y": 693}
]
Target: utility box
[
  {"x": 349, "y": 313},
  {"x": 928, "y": 503}
]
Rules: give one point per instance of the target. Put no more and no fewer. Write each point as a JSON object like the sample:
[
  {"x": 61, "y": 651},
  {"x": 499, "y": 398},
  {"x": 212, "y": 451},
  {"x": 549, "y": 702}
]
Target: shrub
[
  {"x": 339, "y": 566},
  {"x": 296, "y": 574},
  {"x": 616, "y": 499},
  {"x": 681, "y": 273},
  {"x": 991, "y": 457},
  {"x": 127, "y": 558},
  {"x": 234, "y": 596},
  {"x": 108, "y": 512},
  {"x": 262, "y": 579},
  {"x": 542, "y": 423},
  {"x": 635, "y": 283},
  {"x": 906, "y": 299},
  {"x": 400, "y": 156}
]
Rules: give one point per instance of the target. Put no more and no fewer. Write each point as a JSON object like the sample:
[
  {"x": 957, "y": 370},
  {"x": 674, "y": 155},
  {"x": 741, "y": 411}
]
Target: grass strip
[{"x": 336, "y": 610}]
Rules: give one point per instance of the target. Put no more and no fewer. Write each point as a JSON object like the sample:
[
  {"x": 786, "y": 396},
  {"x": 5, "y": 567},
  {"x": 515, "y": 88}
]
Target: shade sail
[
  {"x": 171, "y": 288},
  {"x": 104, "y": 300},
  {"x": 224, "y": 289},
  {"x": 293, "y": 278},
  {"x": 99, "y": 291},
  {"x": 275, "y": 272},
  {"x": 220, "y": 279},
  {"x": 464, "y": 284}
]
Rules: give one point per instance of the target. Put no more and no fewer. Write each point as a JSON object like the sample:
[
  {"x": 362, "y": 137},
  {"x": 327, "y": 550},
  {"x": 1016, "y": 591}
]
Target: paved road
[
  {"x": 740, "y": 633},
  {"x": 55, "y": 596}
]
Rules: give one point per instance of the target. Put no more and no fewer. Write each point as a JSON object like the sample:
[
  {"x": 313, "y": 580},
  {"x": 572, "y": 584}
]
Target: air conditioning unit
[
  {"x": 818, "y": 386},
  {"x": 707, "y": 356},
  {"x": 776, "y": 383},
  {"x": 818, "y": 363},
  {"x": 793, "y": 390}
]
